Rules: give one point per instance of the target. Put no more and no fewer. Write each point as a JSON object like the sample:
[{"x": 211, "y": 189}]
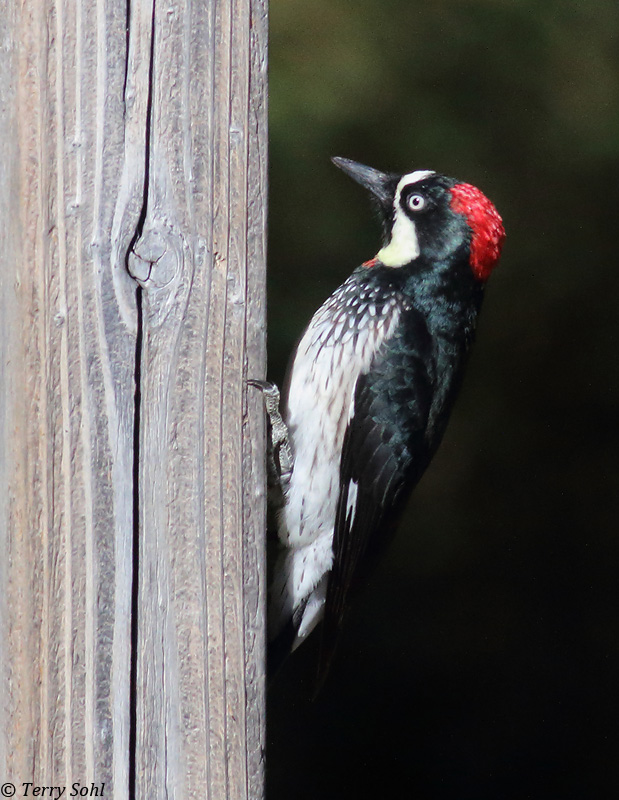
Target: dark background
[{"x": 482, "y": 659}]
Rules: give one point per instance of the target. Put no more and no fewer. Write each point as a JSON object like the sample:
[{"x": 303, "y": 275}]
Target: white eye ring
[{"x": 416, "y": 202}]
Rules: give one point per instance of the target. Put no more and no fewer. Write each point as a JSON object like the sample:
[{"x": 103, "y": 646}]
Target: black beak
[{"x": 379, "y": 183}]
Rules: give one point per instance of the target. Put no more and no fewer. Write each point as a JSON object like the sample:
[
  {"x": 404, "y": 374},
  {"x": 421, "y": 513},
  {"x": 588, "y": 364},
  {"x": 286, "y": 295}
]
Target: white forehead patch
[
  {"x": 404, "y": 244},
  {"x": 412, "y": 177}
]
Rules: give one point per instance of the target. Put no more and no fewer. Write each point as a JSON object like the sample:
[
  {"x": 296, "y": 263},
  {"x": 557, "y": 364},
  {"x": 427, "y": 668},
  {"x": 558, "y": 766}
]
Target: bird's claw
[{"x": 279, "y": 450}]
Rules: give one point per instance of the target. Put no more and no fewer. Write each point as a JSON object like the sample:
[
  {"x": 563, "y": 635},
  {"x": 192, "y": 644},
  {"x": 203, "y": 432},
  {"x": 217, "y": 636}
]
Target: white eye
[{"x": 416, "y": 202}]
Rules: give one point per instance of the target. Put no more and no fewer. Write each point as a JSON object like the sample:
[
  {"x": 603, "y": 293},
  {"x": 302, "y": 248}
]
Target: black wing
[{"x": 384, "y": 454}]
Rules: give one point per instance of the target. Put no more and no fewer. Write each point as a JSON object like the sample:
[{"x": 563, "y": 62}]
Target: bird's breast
[{"x": 339, "y": 344}]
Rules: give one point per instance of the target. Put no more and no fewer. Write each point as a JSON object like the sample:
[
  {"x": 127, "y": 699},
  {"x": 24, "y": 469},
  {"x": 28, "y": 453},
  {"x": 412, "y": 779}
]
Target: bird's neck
[
  {"x": 446, "y": 293},
  {"x": 450, "y": 298}
]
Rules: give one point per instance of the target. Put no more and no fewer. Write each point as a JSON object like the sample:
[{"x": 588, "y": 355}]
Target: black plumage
[{"x": 401, "y": 408}]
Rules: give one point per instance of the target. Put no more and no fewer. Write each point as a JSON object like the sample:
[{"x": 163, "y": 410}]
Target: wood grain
[
  {"x": 132, "y": 312},
  {"x": 68, "y": 347}
]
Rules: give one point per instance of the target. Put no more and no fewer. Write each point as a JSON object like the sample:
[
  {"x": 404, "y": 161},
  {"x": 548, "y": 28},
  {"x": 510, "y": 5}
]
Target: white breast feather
[
  {"x": 329, "y": 359},
  {"x": 323, "y": 378}
]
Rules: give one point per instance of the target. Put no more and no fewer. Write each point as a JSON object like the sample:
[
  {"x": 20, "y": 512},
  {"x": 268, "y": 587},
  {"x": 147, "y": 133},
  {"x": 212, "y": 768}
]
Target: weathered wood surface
[
  {"x": 68, "y": 347},
  {"x": 199, "y": 256},
  {"x": 132, "y": 219}
]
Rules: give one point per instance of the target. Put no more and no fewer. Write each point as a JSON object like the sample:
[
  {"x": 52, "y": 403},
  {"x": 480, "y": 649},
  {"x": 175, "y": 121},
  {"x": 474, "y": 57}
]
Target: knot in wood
[{"x": 154, "y": 258}]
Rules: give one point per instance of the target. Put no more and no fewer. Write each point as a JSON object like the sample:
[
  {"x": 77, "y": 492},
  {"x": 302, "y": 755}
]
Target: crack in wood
[{"x": 133, "y": 137}]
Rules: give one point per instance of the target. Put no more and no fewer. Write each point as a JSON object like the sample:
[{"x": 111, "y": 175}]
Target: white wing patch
[{"x": 351, "y": 502}]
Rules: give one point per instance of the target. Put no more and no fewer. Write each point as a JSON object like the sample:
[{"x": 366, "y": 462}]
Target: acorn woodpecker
[{"x": 370, "y": 389}]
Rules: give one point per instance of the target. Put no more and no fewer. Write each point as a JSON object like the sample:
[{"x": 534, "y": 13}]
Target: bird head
[{"x": 431, "y": 215}]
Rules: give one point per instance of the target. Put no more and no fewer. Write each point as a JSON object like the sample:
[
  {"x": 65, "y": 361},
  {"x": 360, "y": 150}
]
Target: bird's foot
[{"x": 279, "y": 451}]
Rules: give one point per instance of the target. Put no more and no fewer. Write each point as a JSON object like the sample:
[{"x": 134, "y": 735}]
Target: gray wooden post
[{"x": 132, "y": 311}]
